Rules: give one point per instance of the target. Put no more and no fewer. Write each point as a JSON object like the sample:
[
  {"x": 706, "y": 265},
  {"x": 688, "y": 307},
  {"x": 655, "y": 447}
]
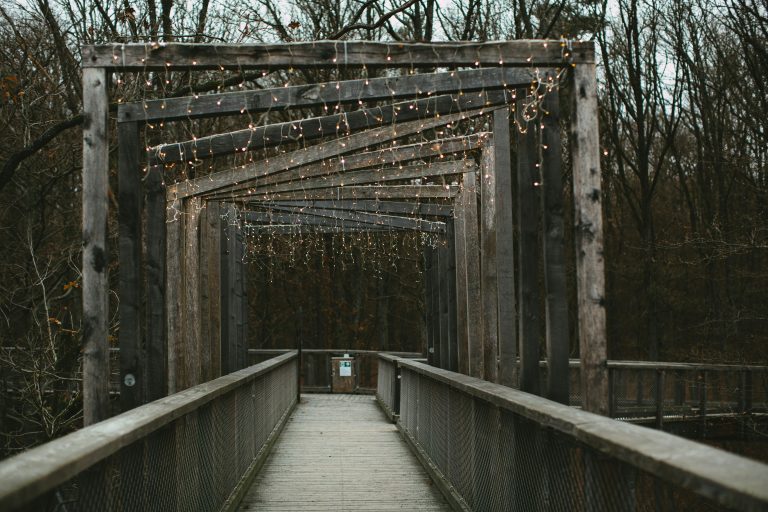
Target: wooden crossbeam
[
  {"x": 330, "y": 93},
  {"x": 336, "y": 125},
  {"x": 335, "y": 54},
  {"x": 310, "y": 155},
  {"x": 392, "y": 155},
  {"x": 369, "y": 218},
  {"x": 399, "y": 207},
  {"x": 367, "y": 177},
  {"x": 366, "y": 192},
  {"x": 298, "y": 229},
  {"x": 296, "y": 220}
]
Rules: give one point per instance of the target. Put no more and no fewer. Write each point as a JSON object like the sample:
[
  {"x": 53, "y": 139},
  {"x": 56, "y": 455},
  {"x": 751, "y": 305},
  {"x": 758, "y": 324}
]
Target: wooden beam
[
  {"x": 157, "y": 355},
  {"x": 474, "y": 306},
  {"x": 505, "y": 253},
  {"x": 460, "y": 257},
  {"x": 298, "y": 219},
  {"x": 322, "y": 94},
  {"x": 210, "y": 290},
  {"x": 336, "y": 125},
  {"x": 288, "y": 161},
  {"x": 528, "y": 204},
  {"x": 314, "y": 227},
  {"x": 369, "y": 176},
  {"x": 488, "y": 264},
  {"x": 428, "y": 306},
  {"x": 555, "y": 285},
  {"x": 450, "y": 280},
  {"x": 365, "y": 205},
  {"x": 157, "y": 56},
  {"x": 364, "y": 192},
  {"x": 373, "y": 218},
  {"x": 132, "y": 357},
  {"x": 95, "y": 254},
  {"x": 588, "y": 219},
  {"x": 174, "y": 293},
  {"x": 393, "y": 155}
]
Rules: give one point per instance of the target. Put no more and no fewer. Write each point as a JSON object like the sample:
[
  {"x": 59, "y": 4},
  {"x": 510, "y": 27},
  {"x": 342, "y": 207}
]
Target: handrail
[
  {"x": 34, "y": 472},
  {"x": 720, "y": 476}
]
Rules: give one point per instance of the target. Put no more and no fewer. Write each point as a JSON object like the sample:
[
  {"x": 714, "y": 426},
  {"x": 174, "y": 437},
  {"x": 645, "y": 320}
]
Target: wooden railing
[
  {"x": 491, "y": 447},
  {"x": 194, "y": 450}
]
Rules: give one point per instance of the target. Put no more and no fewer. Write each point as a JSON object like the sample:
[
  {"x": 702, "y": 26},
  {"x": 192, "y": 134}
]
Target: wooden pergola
[{"x": 194, "y": 332}]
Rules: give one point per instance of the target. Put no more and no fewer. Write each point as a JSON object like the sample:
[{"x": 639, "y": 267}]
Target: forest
[{"x": 684, "y": 136}]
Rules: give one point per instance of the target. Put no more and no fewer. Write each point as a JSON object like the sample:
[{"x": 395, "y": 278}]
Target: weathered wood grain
[
  {"x": 528, "y": 215},
  {"x": 323, "y": 94},
  {"x": 366, "y": 205},
  {"x": 363, "y": 192},
  {"x": 474, "y": 305},
  {"x": 460, "y": 256},
  {"x": 95, "y": 284},
  {"x": 489, "y": 264},
  {"x": 156, "y": 347},
  {"x": 191, "y": 343},
  {"x": 370, "y": 218},
  {"x": 336, "y": 125},
  {"x": 505, "y": 251},
  {"x": 130, "y": 197},
  {"x": 339, "y": 452},
  {"x": 174, "y": 293},
  {"x": 210, "y": 290},
  {"x": 343, "y": 178},
  {"x": 553, "y": 230},
  {"x": 588, "y": 219},
  {"x": 308, "y": 155},
  {"x": 335, "y": 54}
]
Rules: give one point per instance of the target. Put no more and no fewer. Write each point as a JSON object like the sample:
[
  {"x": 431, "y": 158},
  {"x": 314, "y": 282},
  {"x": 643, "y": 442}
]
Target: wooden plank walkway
[{"x": 339, "y": 453}]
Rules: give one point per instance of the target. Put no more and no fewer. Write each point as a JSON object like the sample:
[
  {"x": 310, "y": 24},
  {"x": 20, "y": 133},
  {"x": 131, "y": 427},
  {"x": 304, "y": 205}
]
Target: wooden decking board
[{"x": 339, "y": 453}]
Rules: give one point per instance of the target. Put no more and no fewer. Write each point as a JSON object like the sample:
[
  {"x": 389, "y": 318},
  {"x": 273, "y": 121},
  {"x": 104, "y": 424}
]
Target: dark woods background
[{"x": 683, "y": 105}]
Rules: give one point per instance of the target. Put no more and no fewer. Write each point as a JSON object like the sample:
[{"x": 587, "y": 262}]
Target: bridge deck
[{"x": 339, "y": 452}]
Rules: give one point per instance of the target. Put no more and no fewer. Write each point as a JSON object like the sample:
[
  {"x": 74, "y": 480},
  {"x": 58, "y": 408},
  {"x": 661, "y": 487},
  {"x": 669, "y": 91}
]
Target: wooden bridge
[{"x": 480, "y": 423}]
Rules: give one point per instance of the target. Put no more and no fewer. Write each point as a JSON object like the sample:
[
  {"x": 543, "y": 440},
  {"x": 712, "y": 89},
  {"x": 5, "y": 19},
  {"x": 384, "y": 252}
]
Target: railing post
[
  {"x": 703, "y": 402},
  {"x": 612, "y": 392},
  {"x": 396, "y": 394},
  {"x": 659, "y": 399}
]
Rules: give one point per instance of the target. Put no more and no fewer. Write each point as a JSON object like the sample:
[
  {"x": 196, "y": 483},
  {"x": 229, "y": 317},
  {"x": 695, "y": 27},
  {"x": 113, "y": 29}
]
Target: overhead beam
[
  {"x": 392, "y": 155},
  {"x": 287, "y": 161},
  {"x": 342, "y": 124},
  {"x": 329, "y": 93},
  {"x": 400, "y": 207},
  {"x": 156, "y": 56},
  {"x": 366, "y": 192},
  {"x": 372, "y": 218},
  {"x": 298, "y": 229},
  {"x": 366, "y": 177}
]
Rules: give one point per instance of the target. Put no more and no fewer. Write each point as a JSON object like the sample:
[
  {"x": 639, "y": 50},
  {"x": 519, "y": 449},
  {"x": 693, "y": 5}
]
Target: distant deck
[{"x": 339, "y": 452}]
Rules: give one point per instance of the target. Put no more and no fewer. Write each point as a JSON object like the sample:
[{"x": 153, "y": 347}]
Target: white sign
[{"x": 345, "y": 368}]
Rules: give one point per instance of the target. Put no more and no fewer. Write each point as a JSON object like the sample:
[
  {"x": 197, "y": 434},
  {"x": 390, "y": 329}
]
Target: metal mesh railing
[
  {"x": 497, "y": 449},
  {"x": 387, "y": 389},
  {"x": 188, "y": 451}
]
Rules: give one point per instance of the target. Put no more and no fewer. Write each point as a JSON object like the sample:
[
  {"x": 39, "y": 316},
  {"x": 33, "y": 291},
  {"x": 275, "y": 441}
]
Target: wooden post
[
  {"x": 460, "y": 256},
  {"x": 453, "y": 347},
  {"x": 488, "y": 263},
  {"x": 505, "y": 253},
  {"x": 428, "y": 307},
  {"x": 210, "y": 290},
  {"x": 174, "y": 292},
  {"x": 241, "y": 353},
  {"x": 132, "y": 358},
  {"x": 95, "y": 254},
  {"x": 474, "y": 311},
  {"x": 555, "y": 285},
  {"x": 528, "y": 186},
  {"x": 233, "y": 307},
  {"x": 191, "y": 279},
  {"x": 436, "y": 309},
  {"x": 156, "y": 349},
  {"x": 443, "y": 273},
  {"x": 588, "y": 218}
]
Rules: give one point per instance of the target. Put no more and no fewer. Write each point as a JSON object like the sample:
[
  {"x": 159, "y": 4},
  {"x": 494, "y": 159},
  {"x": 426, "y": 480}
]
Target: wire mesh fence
[
  {"x": 497, "y": 449},
  {"x": 188, "y": 451}
]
